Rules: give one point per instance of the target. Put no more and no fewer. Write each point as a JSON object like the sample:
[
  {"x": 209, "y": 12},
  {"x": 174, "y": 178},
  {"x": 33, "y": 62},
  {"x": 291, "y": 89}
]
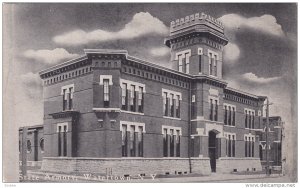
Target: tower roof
[{"x": 199, "y": 23}]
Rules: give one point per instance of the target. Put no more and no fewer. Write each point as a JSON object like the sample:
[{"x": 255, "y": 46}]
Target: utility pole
[
  {"x": 281, "y": 147},
  {"x": 267, "y": 139}
]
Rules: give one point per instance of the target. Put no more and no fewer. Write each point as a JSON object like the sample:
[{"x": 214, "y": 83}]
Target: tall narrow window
[
  {"x": 200, "y": 63},
  {"x": 132, "y": 98},
  {"x": 229, "y": 116},
  {"x": 253, "y": 115},
  {"x": 165, "y": 97},
  {"x": 132, "y": 141},
  {"x": 177, "y": 143},
  {"x": 65, "y": 141},
  {"x": 59, "y": 141},
  {"x": 233, "y": 116},
  {"x": 252, "y": 147},
  {"x": 225, "y": 115},
  {"x": 211, "y": 110},
  {"x": 172, "y": 143},
  {"x": 172, "y": 104},
  {"x": 180, "y": 63},
  {"x": 216, "y": 66},
  {"x": 210, "y": 63},
  {"x": 124, "y": 140},
  {"x": 246, "y": 147},
  {"x": 183, "y": 64},
  {"x": 165, "y": 139},
  {"x": 233, "y": 146},
  {"x": 70, "y": 98},
  {"x": 178, "y": 106},
  {"x": 216, "y": 110},
  {"x": 246, "y": 119},
  {"x": 65, "y": 99},
  {"x": 124, "y": 96},
  {"x": 250, "y": 119},
  {"x": 140, "y": 142},
  {"x": 226, "y": 145},
  {"x": 229, "y": 146},
  {"x": 106, "y": 92},
  {"x": 249, "y": 147},
  {"x": 140, "y": 100},
  {"x": 187, "y": 63}
]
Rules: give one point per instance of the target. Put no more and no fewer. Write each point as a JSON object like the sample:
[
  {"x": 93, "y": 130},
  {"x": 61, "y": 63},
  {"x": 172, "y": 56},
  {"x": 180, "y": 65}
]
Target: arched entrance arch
[{"x": 213, "y": 148}]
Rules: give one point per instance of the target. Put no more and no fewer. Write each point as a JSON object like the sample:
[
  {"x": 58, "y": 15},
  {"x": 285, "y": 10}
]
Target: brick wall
[{"x": 227, "y": 165}]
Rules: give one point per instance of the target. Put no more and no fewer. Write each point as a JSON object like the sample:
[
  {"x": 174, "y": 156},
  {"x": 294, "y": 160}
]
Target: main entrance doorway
[{"x": 212, "y": 149}]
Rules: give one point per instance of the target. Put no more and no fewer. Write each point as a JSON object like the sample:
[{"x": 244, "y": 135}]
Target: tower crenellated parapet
[{"x": 195, "y": 19}]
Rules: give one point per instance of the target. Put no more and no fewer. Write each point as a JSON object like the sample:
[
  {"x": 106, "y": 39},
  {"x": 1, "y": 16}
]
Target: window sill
[
  {"x": 174, "y": 118},
  {"x": 130, "y": 112},
  {"x": 229, "y": 125}
]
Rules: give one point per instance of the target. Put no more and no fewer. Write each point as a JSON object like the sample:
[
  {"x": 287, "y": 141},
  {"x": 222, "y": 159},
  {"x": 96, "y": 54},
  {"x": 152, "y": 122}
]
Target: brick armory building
[{"x": 107, "y": 111}]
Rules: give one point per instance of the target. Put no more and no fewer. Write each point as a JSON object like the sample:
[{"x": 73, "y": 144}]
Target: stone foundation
[
  {"x": 126, "y": 166},
  {"x": 228, "y": 164}
]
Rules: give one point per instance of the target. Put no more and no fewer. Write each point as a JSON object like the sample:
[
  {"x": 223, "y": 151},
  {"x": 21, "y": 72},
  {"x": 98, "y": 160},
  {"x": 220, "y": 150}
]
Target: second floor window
[
  {"x": 166, "y": 105},
  {"x": 225, "y": 115},
  {"x": 124, "y": 96},
  {"x": 65, "y": 99},
  {"x": 70, "y": 98},
  {"x": 210, "y": 63},
  {"x": 215, "y": 66},
  {"x": 132, "y": 98},
  {"x": 140, "y": 100},
  {"x": 67, "y": 93},
  {"x": 172, "y": 104},
  {"x": 106, "y": 92},
  {"x": 216, "y": 111},
  {"x": 211, "y": 110},
  {"x": 177, "y": 106},
  {"x": 246, "y": 119},
  {"x": 200, "y": 63}
]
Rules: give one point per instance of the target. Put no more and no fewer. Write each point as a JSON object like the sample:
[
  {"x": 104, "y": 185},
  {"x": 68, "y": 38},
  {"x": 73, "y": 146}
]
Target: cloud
[
  {"x": 231, "y": 52},
  {"x": 32, "y": 84},
  {"x": 253, "y": 78},
  {"x": 159, "y": 51},
  {"x": 265, "y": 23},
  {"x": 49, "y": 56},
  {"x": 141, "y": 24}
]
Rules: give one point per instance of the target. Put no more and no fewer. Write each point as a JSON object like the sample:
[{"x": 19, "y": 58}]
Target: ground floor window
[
  {"x": 132, "y": 139},
  {"x": 230, "y": 144},
  {"x": 249, "y": 145},
  {"x": 62, "y": 130},
  {"x": 171, "y": 141}
]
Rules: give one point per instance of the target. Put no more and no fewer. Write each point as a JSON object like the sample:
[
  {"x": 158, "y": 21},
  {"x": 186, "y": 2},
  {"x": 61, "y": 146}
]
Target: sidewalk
[{"x": 95, "y": 178}]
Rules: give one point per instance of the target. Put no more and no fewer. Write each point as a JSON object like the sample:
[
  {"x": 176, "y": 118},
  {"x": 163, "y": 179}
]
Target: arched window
[
  {"x": 42, "y": 144},
  {"x": 19, "y": 145},
  {"x": 28, "y": 145}
]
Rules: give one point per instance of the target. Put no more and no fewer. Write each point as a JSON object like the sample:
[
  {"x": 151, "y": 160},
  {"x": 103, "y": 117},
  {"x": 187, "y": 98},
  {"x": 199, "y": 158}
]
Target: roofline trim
[
  {"x": 242, "y": 92},
  {"x": 60, "y": 65}
]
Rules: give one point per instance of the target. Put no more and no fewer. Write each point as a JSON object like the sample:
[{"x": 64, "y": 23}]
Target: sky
[{"x": 261, "y": 57}]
